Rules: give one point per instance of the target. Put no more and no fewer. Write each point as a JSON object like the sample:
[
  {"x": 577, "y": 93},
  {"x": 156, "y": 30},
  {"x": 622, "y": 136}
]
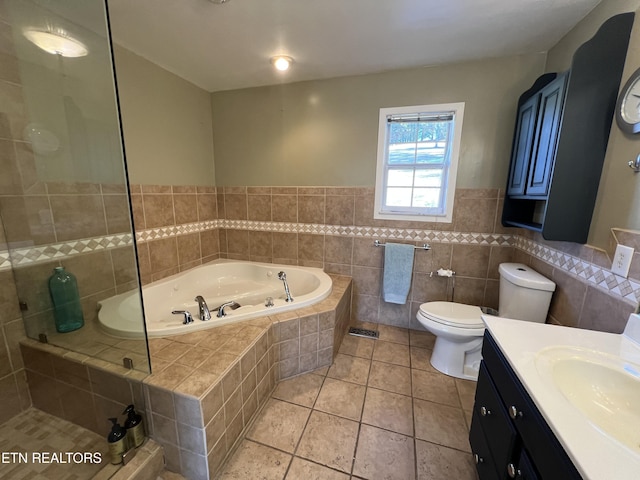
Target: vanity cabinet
[
  {"x": 509, "y": 437},
  {"x": 560, "y": 140}
]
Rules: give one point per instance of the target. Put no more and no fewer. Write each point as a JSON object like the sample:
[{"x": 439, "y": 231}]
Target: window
[{"x": 418, "y": 150}]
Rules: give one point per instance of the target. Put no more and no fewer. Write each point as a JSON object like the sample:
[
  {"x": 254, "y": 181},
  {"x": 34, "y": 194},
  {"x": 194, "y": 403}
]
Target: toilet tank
[{"x": 524, "y": 293}]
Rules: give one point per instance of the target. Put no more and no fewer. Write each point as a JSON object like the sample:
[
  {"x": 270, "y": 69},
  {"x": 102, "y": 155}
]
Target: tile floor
[
  {"x": 379, "y": 412},
  {"x": 36, "y": 431}
]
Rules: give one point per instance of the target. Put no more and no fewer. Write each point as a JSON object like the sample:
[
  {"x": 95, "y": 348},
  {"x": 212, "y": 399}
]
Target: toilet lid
[{"x": 454, "y": 314}]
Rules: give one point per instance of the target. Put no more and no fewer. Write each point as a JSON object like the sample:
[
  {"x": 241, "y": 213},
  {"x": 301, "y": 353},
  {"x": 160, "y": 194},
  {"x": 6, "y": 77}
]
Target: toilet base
[{"x": 460, "y": 360}]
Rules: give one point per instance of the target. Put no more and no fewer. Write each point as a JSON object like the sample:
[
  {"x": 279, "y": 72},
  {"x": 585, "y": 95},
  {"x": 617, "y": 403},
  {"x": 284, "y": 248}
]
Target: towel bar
[{"x": 425, "y": 246}]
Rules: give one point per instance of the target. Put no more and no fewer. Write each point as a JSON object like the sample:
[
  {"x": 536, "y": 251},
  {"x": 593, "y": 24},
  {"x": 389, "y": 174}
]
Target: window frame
[{"x": 451, "y": 169}]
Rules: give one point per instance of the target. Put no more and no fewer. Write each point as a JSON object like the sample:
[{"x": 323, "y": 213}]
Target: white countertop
[{"x": 595, "y": 455}]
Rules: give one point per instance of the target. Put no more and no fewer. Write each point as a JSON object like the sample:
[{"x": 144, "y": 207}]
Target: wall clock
[{"x": 628, "y": 106}]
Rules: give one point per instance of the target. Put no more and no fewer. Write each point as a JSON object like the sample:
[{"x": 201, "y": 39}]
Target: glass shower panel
[{"x": 64, "y": 198}]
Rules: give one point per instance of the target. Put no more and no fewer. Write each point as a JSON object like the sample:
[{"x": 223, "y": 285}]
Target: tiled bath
[{"x": 206, "y": 385}]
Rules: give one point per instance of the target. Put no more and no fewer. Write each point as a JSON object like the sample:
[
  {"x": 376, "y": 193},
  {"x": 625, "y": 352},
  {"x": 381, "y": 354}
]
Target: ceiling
[{"x": 228, "y": 46}]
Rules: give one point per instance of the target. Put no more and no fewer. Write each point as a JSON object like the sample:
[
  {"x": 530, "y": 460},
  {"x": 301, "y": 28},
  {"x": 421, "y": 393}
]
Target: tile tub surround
[
  {"x": 333, "y": 228},
  {"x": 176, "y": 228},
  {"x": 369, "y": 416},
  {"x": 206, "y": 385},
  {"x": 326, "y": 227}
]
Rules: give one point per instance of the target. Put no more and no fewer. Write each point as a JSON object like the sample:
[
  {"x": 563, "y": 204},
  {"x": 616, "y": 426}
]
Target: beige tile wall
[
  {"x": 157, "y": 206},
  {"x": 577, "y": 303},
  {"x": 81, "y": 389},
  {"x": 14, "y": 393},
  {"x": 63, "y": 212},
  {"x": 36, "y": 213},
  {"x": 476, "y": 210}
]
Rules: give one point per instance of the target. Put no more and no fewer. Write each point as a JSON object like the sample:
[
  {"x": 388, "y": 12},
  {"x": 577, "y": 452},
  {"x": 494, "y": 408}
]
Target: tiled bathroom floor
[
  {"x": 379, "y": 412},
  {"x": 36, "y": 431}
]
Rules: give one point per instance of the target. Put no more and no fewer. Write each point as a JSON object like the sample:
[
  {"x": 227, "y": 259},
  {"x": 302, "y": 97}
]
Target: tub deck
[{"x": 207, "y": 385}]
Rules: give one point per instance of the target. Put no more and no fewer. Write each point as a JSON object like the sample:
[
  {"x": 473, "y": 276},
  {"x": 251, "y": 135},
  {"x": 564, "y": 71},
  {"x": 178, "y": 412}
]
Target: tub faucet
[
  {"x": 187, "y": 316},
  {"x": 203, "y": 309},
  {"x": 283, "y": 276},
  {"x": 232, "y": 305}
]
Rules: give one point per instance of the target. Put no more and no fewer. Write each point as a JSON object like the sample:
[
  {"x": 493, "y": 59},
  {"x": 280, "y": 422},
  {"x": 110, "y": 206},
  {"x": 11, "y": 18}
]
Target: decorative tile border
[
  {"x": 410, "y": 234},
  {"x": 414, "y": 235},
  {"x": 174, "y": 230},
  {"x": 29, "y": 255},
  {"x": 586, "y": 271},
  {"x": 5, "y": 262},
  {"x": 44, "y": 253}
]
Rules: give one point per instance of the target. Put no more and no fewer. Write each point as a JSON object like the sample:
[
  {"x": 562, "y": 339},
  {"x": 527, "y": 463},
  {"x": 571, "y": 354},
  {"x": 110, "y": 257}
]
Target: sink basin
[{"x": 604, "y": 388}]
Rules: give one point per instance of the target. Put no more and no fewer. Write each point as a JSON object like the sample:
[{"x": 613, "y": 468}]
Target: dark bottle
[
  {"x": 66, "y": 301},
  {"x": 134, "y": 427},
  {"x": 117, "y": 442}
]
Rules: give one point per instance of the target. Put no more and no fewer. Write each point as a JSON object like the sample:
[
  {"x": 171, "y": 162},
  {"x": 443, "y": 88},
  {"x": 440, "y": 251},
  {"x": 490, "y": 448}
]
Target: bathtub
[{"x": 221, "y": 281}]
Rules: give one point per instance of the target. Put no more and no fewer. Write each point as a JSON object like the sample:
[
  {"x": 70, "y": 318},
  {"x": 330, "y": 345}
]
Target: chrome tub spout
[{"x": 203, "y": 309}]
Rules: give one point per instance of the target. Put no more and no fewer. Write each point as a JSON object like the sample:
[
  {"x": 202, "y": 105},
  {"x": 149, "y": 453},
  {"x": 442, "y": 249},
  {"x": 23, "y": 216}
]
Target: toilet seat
[{"x": 453, "y": 314}]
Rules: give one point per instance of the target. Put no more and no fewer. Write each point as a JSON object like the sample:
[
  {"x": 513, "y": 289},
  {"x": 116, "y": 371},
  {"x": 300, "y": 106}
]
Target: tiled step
[{"x": 148, "y": 464}]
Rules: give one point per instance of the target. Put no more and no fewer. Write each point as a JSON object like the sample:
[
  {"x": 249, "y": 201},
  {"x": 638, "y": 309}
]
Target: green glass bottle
[{"x": 66, "y": 300}]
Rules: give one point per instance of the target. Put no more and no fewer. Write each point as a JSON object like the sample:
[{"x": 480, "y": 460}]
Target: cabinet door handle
[
  {"x": 484, "y": 411},
  {"x": 478, "y": 459},
  {"x": 514, "y": 412},
  {"x": 513, "y": 471}
]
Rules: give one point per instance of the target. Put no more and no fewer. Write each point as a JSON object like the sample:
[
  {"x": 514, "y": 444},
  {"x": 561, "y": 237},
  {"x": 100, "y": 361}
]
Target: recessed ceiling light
[
  {"x": 281, "y": 62},
  {"x": 57, "y": 43}
]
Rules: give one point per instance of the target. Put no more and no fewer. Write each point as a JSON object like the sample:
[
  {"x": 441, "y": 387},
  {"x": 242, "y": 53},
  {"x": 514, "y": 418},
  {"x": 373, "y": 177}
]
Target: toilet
[{"x": 524, "y": 295}]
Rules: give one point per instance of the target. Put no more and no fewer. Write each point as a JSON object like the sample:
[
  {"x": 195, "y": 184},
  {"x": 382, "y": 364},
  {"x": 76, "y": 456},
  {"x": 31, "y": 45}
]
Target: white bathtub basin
[{"x": 248, "y": 283}]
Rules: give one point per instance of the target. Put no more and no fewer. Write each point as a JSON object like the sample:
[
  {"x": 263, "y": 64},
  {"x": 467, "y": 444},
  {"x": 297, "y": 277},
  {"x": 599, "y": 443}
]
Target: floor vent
[{"x": 363, "y": 332}]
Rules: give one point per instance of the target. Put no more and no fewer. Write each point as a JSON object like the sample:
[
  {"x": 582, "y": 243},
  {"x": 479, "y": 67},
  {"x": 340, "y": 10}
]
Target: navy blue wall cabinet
[{"x": 561, "y": 135}]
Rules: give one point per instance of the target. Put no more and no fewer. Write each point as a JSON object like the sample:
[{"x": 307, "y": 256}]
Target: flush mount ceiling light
[
  {"x": 57, "y": 43},
  {"x": 218, "y": 2},
  {"x": 281, "y": 62}
]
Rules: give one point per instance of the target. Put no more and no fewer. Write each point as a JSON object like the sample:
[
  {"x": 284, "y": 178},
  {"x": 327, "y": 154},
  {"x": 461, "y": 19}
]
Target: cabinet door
[
  {"x": 525, "y": 470},
  {"x": 546, "y": 137},
  {"x": 523, "y": 146},
  {"x": 544, "y": 449},
  {"x": 481, "y": 453},
  {"x": 494, "y": 419}
]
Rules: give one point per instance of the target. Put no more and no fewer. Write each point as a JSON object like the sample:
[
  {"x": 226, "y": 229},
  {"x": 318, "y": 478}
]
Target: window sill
[{"x": 414, "y": 218}]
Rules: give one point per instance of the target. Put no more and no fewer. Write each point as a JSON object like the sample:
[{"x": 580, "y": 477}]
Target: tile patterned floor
[
  {"x": 379, "y": 412},
  {"x": 39, "y": 432}
]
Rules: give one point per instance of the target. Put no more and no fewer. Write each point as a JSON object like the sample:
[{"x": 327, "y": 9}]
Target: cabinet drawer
[
  {"x": 494, "y": 420},
  {"x": 481, "y": 453},
  {"x": 543, "y": 447}
]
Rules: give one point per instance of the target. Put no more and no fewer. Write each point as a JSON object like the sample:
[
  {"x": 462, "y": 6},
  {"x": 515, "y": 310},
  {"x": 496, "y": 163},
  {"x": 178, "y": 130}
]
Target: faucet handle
[{"x": 188, "y": 318}]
